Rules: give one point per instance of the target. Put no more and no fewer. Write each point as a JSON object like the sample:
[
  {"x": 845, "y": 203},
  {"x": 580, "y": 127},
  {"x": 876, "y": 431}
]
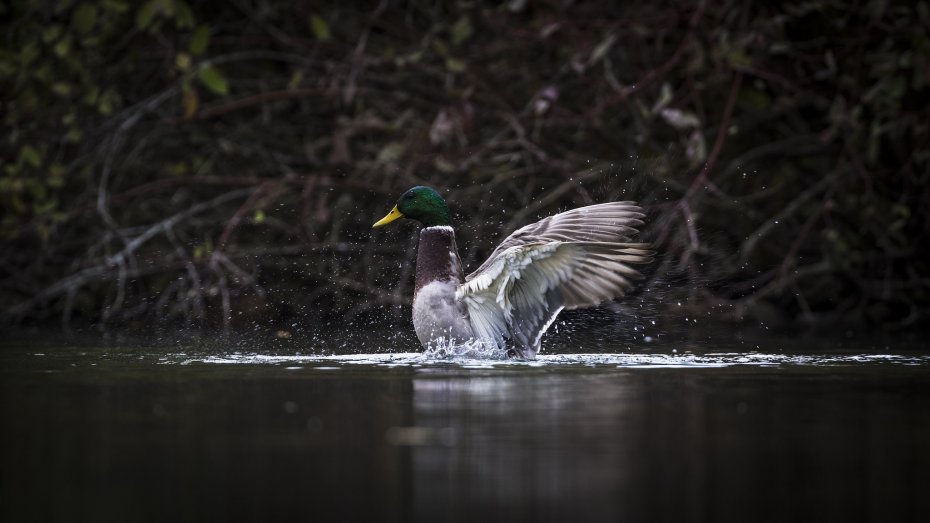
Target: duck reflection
[
  {"x": 659, "y": 444},
  {"x": 527, "y": 445}
]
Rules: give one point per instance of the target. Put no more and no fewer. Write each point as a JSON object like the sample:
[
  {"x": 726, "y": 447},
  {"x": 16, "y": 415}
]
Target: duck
[{"x": 575, "y": 259}]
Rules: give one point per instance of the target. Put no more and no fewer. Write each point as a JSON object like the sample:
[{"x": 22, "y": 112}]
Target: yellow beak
[{"x": 393, "y": 215}]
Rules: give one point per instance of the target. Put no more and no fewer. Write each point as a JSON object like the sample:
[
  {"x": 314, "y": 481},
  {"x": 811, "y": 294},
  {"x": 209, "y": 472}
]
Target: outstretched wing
[
  {"x": 574, "y": 259},
  {"x": 518, "y": 291},
  {"x": 613, "y": 222}
]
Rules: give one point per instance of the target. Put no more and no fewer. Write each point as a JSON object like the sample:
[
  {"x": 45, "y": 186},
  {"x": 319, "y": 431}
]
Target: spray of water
[{"x": 448, "y": 350}]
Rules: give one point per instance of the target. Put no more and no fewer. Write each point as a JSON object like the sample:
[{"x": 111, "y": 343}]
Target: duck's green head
[{"x": 421, "y": 204}]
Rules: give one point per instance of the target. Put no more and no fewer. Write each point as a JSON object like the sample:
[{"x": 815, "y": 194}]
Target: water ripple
[{"x": 644, "y": 361}]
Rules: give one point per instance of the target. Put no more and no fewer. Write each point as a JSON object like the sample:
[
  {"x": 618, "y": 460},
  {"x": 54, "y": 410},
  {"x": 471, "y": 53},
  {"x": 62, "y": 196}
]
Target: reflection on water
[
  {"x": 674, "y": 446},
  {"x": 122, "y": 434},
  {"x": 543, "y": 447}
]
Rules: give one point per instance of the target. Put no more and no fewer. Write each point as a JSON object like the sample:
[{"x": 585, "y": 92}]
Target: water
[{"x": 779, "y": 430}]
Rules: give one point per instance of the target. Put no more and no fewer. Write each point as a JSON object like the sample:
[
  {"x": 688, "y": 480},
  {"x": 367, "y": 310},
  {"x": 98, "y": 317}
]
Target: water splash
[
  {"x": 465, "y": 359},
  {"x": 447, "y": 350}
]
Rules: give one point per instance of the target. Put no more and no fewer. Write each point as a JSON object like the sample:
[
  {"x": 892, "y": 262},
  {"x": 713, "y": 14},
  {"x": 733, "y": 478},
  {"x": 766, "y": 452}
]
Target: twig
[
  {"x": 249, "y": 101},
  {"x": 722, "y": 131},
  {"x": 80, "y": 278},
  {"x": 357, "y": 63},
  {"x": 240, "y": 213},
  {"x": 796, "y": 203},
  {"x": 653, "y": 74}
]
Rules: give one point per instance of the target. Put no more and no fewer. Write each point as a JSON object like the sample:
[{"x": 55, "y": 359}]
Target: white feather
[{"x": 574, "y": 259}]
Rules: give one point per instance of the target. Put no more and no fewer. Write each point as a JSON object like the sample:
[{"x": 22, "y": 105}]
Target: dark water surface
[{"x": 783, "y": 432}]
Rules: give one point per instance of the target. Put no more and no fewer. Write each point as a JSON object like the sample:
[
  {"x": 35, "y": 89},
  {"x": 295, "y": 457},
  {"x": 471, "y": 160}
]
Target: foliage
[{"x": 216, "y": 161}]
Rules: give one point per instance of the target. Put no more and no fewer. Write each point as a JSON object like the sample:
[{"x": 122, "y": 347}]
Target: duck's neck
[{"x": 437, "y": 256}]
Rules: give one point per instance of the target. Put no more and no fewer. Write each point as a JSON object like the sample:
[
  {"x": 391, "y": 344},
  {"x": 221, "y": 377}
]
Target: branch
[
  {"x": 750, "y": 244},
  {"x": 77, "y": 280},
  {"x": 651, "y": 76},
  {"x": 249, "y": 101}
]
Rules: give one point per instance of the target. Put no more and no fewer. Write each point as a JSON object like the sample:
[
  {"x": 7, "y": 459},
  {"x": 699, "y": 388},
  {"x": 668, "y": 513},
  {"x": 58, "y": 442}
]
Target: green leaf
[
  {"x": 189, "y": 102},
  {"x": 37, "y": 189},
  {"x": 320, "y": 28},
  {"x": 28, "y": 53},
  {"x": 199, "y": 41},
  {"x": 738, "y": 58},
  {"x": 146, "y": 14},
  {"x": 61, "y": 6},
  {"x": 897, "y": 87},
  {"x": 45, "y": 207},
  {"x": 108, "y": 102},
  {"x": 461, "y": 31},
  {"x": 62, "y": 89},
  {"x": 30, "y": 155},
  {"x": 755, "y": 98},
  {"x": 74, "y": 135},
  {"x": 51, "y": 33},
  {"x": 183, "y": 61},
  {"x": 295, "y": 80},
  {"x": 213, "y": 79},
  {"x": 183, "y": 15},
  {"x": 93, "y": 93},
  {"x": 440, "y": 47},
  {"x": 602, "y": 48},
  {"x": 443, "y": 165},
  {"x": 7, "y": 68},
  {"x": 84, "y": 18},
  {"x": 56, "y": 178},
  {"x": 117, "y": 6},
  {"x": 63, "y": 47},
  {"x": 454, "y": 65},
  {"x": 391, "y": 152},
  {"x": 178, "y": 169}
]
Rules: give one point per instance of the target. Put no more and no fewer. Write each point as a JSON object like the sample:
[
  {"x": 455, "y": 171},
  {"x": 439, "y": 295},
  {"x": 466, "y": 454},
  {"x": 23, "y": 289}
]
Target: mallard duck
[{"x": 575, "y": 259}]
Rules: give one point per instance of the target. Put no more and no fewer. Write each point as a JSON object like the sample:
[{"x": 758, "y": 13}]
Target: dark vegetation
[{"x": 217, "y": 162}]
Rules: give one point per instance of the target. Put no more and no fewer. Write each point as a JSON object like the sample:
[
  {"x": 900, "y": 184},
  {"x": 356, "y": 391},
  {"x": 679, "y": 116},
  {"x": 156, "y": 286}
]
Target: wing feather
[
  {"x": 521, "y": 292},
  {"x": 612, "y": 222},
  {"x": 574, "y": 259}
]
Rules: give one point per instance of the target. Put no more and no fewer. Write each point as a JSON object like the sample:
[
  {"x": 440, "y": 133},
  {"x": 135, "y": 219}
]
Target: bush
[{"x": 205, "y": 163}]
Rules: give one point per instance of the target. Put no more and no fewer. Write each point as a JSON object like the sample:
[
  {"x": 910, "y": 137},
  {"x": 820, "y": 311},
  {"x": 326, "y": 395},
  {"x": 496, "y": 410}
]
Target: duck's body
[
  {"x": 575, "y": 259},
  {"x": 437, "y": 315}
]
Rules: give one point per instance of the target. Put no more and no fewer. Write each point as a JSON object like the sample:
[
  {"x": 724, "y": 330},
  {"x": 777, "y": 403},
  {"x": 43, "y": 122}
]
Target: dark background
[{"x": 212, "y": 163}]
